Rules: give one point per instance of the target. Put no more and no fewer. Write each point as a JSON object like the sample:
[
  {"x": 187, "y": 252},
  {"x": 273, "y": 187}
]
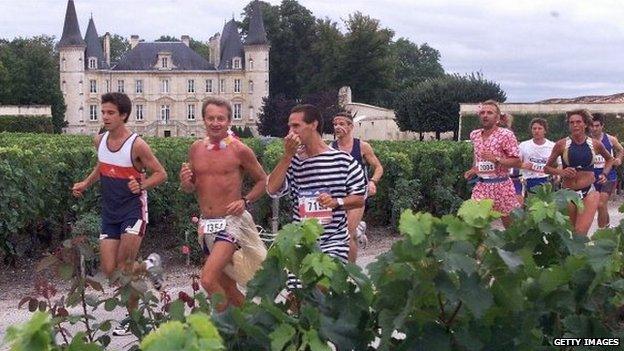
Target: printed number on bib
[
  {"x": 310, "y": 208},
  {"x": 538, "y": 167},
  {"x": 486, "y": 169},
  {"x": 599, "y": 161},
  {"x": 214, "y": 225}
]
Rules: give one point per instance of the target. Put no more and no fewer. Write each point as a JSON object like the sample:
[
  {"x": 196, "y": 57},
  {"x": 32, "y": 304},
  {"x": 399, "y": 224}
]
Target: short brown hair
[
  {"x": 310, "y": 114},
  {"x": 542, "y": 122},
  {"x": 121, "y": 101},
  {"x": 586, "y": 115},
  {"x": 217, "y": 102},
  {"x": 345, "y": 114},
  {"x": 599, "y": 117}
]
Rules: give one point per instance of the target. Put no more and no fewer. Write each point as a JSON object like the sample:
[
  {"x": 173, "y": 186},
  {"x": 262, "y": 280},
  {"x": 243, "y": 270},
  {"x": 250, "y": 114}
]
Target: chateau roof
[
  {"x": 144, "y": 56},
  {"x": 231, "y": 46},
  {"x": 94, "y": 48},
  {"x": 71, "y": 30},
  {"x": 256, "y": 35}
]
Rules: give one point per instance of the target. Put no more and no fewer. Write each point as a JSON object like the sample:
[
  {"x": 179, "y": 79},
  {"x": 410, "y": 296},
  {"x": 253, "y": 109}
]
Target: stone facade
[
  {"x": 26, "y": 110},
  {"x": 166, "y": 82}
]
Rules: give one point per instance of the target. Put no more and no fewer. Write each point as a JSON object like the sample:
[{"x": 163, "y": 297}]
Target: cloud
[{"x": 534, "y": 49}]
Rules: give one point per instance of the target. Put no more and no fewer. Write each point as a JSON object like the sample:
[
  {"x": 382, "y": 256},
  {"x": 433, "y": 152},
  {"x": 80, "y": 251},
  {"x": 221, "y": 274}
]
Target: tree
[
  {"x": 31, "y": 75},
  {"x": 118, "y": 47},
  {"x": 167, "y": 38},
  {"x": 200, "y": 47},
  {"x": 414, "y": 64},
  {"x": 365, "y": 62},
  {"x": 433, "y": 105},
  {"x": 273, "y": 119},
  {"x": 321, "y": 70}
]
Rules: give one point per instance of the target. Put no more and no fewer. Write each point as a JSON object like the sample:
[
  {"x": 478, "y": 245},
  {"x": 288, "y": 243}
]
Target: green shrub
[{"x": 26, "y": 124}]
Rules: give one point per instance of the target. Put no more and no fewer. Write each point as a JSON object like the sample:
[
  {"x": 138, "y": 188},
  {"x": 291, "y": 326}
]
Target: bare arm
[
  {"x": 144, "y": 153},
  {"x": 619, "y": 150},
  {"x": 371, "y": 159},
  {"x": 94, "y": 176},
  {"x": 552, "y": 166},
  {"x": 254, "y": 169},
  {"x": 186, "y": 172}
]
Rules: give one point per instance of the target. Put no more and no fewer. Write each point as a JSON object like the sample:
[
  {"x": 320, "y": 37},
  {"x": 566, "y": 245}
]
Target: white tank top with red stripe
[{"x": 121, "y": 157}]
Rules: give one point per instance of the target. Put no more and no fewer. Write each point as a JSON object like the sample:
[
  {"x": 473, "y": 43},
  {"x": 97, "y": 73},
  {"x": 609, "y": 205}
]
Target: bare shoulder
[
  {"x": 242, "y": 151},
  {"x": 366, "y": 146}
]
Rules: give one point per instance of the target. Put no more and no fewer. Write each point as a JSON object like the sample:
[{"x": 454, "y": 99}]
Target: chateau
[{"x": 166, "y": 81}]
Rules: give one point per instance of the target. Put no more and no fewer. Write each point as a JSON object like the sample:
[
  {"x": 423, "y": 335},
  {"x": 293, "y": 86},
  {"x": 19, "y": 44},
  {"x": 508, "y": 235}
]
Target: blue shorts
[
  {"x": 133, "y": 226},
  {"x": 517, "y": 182},
  {"x": 535, "y": 182},
  {"x": 219, "y": 236}
]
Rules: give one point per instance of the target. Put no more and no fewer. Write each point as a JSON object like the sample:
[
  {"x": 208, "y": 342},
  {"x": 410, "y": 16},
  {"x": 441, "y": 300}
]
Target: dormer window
[
  {"x": 92, "y": 63},
  {"x": 164, "y": 61},
  {"x": 236, "y": 63}
]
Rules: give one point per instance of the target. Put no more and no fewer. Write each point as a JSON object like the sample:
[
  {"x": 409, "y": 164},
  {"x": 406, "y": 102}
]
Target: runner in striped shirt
[{"x": 322, "y": 182}]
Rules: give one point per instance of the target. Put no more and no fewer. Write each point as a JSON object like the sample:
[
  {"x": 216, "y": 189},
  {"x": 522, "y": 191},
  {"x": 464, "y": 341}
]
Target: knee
[
  {"x": 108, "y": 270},
  {"x": 209, "y": 281}
]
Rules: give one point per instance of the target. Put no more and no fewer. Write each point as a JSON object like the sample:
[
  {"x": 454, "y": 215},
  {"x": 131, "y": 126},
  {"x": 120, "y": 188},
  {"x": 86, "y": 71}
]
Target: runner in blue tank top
[
  {"x": 577, "y": 155},
  {"x": 615, "y": 149},
  {"x": 363, "y": 153}
]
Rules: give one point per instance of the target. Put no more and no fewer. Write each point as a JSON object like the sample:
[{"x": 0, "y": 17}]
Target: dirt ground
[{"x": 17, "y": 282}]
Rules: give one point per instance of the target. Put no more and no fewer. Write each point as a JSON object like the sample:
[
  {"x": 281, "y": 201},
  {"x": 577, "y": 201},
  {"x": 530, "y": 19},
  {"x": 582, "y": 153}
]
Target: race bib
[
  {"x": 309, "y": 207},
  {"x": 538, "y": 167},
  {"x": 486, "y": 169},
  {"x": 214, "y": 225},
  {"x": 599, "y": 161}
]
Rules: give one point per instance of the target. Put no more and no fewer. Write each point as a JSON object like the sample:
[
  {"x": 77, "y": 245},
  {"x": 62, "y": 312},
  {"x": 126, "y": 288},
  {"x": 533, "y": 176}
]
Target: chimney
[
  {"x": 107, "y": 50},
  {"x": 186, "y": 40},
  {"x": 134, "y": 41}
]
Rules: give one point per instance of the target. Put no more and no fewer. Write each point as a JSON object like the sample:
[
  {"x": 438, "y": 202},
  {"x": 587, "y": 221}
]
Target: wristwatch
[
  {"x": 340, "y": 201},
  {"x": 247, "y": 202}
]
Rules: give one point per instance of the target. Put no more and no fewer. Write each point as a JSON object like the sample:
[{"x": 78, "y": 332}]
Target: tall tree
[
  {"x": 200, "y": 47},
  {"x": 414, "y": 64},
  {"x": 273, "y": 118},
  {"x": 433, "y": 105},
  {"x": 32, "y": 75},
  {"x": 366, "y": 63},
  {"x": 323, "y": 61}
]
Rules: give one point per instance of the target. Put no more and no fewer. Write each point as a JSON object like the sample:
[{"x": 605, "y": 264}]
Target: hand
[
  {"x": 617, "y": 161},
  {"x": 602, "y": 178},
  {"x": 489, "y": 156},
  {"x": 568, "y": 172},
  {"x": 470, "y": 173},
  {"x": 236, "y": 208},
  {"x": 291, "y": 144},
  {"x": 79, "y": 188},
  {"x": 327, "y": 201},
  {"x": 186, "y": 176},
  {"x": 372, "y": 188},
  {"x": 134, "y": 186}
]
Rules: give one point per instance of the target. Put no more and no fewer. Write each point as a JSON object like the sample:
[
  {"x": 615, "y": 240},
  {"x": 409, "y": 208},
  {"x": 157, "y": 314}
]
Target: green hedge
[
  {"x": 26, "y": 124},
  {"x": 38, "y": 170},
  {"x": 557, "y": 126}
]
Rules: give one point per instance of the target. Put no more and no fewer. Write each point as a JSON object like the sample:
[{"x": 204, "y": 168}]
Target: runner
[
  {"x": 612, "y": 144},
  {"x": 123, "y": 157},
  {"x": 227, "y": 233},
  {"x": 323, "y": 183},
  {"x": 363, "y": 153},
  {"x": 534, "y": 154},
  {"x": 495, "y": 151},
  {"x": 577, "y": 153}
]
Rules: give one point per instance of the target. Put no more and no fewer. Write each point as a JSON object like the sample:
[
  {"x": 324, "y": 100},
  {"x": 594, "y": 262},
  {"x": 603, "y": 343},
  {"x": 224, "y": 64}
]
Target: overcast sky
[{"x": 534, "y": 49}]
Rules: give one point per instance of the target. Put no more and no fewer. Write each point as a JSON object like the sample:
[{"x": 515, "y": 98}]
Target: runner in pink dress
[{"x": 495, "y": 151}]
